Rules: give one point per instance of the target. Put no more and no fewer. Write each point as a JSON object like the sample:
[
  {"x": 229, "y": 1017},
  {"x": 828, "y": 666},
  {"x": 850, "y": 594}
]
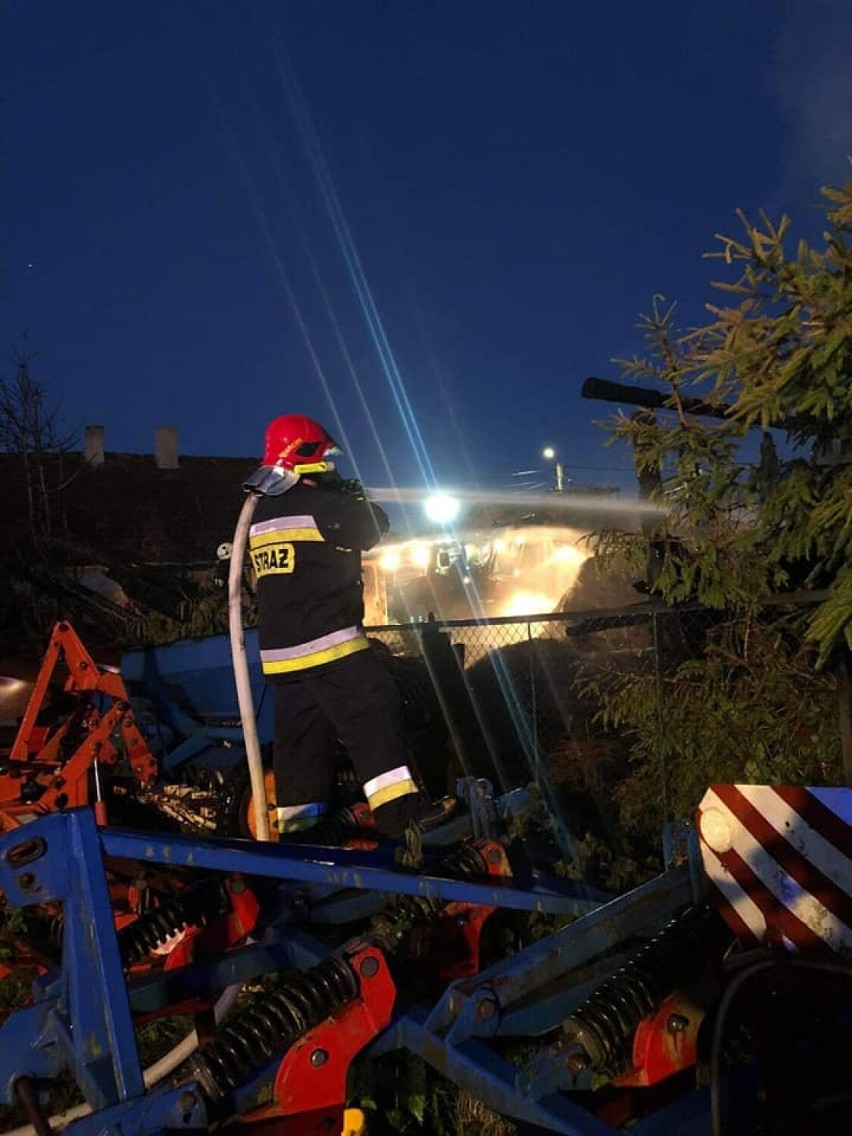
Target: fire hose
[{"x": 241, "y": 670}]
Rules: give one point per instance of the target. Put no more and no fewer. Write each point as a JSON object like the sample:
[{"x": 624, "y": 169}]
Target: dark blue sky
[{"x": 215, "y": 212}]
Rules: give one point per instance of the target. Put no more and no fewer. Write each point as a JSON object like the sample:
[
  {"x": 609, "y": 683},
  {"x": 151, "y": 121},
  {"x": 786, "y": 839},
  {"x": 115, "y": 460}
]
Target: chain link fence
[{"x": 520, "y": 698}]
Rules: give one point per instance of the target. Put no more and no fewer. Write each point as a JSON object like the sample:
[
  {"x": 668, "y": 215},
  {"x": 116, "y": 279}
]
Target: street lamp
[{"x": 549, "y": 454}]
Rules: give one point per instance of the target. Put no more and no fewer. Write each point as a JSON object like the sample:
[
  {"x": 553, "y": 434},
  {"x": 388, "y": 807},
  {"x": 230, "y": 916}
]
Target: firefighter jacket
[{"x": 305, "y": 547}]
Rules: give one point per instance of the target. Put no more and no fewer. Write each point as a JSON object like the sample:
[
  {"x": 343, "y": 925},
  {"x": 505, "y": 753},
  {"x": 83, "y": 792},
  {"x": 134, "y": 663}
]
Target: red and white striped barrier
[{"x": 779, "y": 863}]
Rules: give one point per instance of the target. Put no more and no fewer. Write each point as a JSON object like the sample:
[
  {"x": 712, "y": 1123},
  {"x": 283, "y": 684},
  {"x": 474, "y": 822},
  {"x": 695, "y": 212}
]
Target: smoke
[{"x": 551, "y": 501}]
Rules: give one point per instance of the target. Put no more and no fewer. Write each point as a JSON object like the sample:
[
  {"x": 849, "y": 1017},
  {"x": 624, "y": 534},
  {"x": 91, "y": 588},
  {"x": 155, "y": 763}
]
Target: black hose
[
  {"x": 723, "y": 1010},
  {"x": 25, "y": 1091}
]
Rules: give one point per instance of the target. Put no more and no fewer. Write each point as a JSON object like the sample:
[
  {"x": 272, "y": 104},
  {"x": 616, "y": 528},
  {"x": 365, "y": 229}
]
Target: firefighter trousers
[{"x": 353, "y": 700}]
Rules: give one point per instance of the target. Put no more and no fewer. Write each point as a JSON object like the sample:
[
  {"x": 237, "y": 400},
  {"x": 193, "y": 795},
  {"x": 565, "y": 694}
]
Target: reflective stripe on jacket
[{"x": 305, "y": 547}]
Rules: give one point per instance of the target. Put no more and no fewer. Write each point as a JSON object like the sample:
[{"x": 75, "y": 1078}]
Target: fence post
[
  {"x": 446, "y": 669},
  {"x": 533, "y": 706}
]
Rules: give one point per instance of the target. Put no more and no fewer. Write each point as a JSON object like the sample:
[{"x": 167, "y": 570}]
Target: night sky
[{"x": 423, "y": 222}]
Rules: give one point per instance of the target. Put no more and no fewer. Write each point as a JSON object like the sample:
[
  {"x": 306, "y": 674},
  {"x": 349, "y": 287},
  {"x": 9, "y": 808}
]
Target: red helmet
[{"x": 293, "y": 445}]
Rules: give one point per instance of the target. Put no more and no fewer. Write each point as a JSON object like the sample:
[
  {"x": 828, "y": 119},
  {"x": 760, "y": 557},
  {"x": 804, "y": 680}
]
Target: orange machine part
[{"x": 39, "y": 758}]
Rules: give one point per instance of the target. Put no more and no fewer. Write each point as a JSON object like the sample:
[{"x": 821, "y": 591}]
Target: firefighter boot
[{"x": 395, "y": 817}]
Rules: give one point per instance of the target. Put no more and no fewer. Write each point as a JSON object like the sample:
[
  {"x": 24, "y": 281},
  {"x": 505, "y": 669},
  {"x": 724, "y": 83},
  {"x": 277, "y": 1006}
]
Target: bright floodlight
[
  {"x": 548, "y": 452},
  {"x": 441, "y": 509}
]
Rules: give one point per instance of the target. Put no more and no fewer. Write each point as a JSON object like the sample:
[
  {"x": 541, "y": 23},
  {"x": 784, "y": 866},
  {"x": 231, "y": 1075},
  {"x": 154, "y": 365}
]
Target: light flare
[{"x": 352, "y": 261}]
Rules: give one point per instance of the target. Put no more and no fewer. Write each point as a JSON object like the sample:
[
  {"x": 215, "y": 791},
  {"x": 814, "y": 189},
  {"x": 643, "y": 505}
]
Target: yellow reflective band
[
  {"x": 391, "y": 793},
  {"x": 339, "y": 651},
  {"x": 389, "y": 777},
  {"x": 312, "y": 467}
]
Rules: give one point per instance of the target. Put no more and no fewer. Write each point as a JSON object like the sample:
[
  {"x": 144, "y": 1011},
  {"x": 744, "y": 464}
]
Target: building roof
[
  {"x": 146, "y": 523},
  {"x": 126, "y": 508}
]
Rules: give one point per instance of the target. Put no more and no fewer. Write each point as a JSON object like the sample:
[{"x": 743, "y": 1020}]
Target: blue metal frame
[
  {"x": 59, "y": 858},
  {"x": 82, "y": 1014},
  {"x": 82, "y": 1017},
  {"x": 452, "y": 1036},
  {"x": 342, "y": 868}
]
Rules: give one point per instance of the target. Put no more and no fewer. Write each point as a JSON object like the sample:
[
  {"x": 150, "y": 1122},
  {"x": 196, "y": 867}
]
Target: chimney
[
  {"x": 166, "y": 447},
  {"x": 93, "y": 445}
]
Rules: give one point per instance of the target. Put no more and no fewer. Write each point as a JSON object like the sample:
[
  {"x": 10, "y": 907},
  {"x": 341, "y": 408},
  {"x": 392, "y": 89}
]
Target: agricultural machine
[{"x": 714, "y": 997}]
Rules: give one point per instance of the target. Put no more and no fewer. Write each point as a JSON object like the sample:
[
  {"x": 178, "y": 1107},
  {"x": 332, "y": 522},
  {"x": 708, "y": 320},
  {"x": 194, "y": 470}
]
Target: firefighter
[{"x": 305, "y": 543}]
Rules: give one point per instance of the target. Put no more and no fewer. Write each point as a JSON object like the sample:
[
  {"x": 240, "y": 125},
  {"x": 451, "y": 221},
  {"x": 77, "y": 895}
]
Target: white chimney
[
  {"x": 166, "y": 447},
  {"x": 93, "y": 445}
]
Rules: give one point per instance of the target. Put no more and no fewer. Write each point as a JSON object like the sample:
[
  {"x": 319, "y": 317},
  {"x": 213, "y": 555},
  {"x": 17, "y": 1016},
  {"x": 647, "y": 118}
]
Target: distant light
[
  {"x": 549, "y": 453},
  {"x": 441, "y": 509},
  {"x": 569, "y": 552},
  {"x": 390, "y": 561},
  {"x": 527, "y": 603},
  {"x": 420, "y": 556}
]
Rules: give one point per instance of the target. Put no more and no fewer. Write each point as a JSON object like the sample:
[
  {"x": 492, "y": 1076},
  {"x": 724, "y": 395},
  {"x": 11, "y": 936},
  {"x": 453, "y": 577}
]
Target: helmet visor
[{"x": 270, "y": 480}]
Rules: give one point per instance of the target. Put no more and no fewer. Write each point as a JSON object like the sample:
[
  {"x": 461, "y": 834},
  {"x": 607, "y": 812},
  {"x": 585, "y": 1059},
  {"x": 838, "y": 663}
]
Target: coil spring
[
  {"x": 189, "y": 908},
  {"x": 605, "y": 1023},
  {"x": 464, "y": 862},
  {"x": 332, "y": 829},
  {"x": 272, "y": 1023}
]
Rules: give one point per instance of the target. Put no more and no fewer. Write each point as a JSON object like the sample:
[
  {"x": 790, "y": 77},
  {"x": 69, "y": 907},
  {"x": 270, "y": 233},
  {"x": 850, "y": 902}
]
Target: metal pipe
[
  {"x": 28, "y": 1098},
  {"x": 606, "y": 391},
  {"x": 241, "y": 670}
]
